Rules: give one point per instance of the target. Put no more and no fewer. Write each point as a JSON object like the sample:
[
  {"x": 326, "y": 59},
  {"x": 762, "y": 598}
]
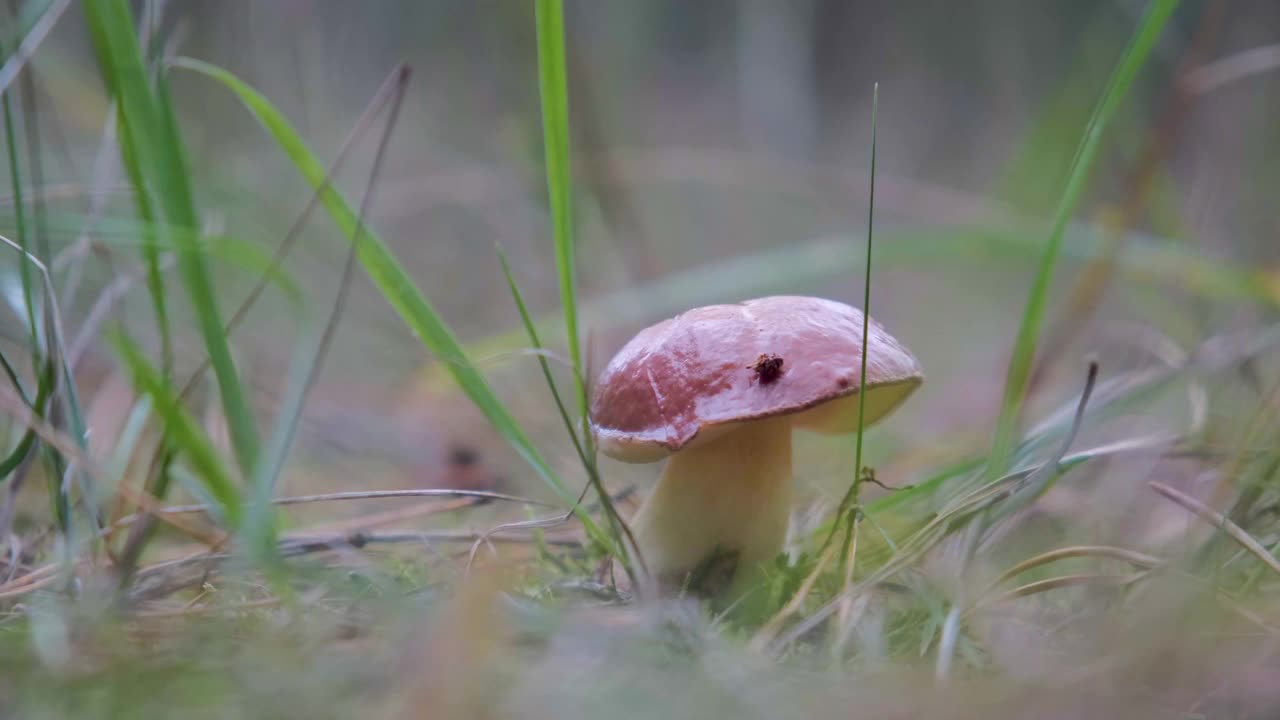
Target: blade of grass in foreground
[
  {"x": 1135, "y": 55},
  {"x": 396, "y": 285},
  {"x": 553, "y": 88},
  {"x": 44, "y": 379},
  {"x": 150, "y": 140},
  {"x": 554, "y": 93},
  {"x": 20, "y": 225},
  {"x": 851, "y": 528},
  {"x": 182, "y": 430},
  {"x": 309, "y": 358},
  {"x": 532, "y": 332}
]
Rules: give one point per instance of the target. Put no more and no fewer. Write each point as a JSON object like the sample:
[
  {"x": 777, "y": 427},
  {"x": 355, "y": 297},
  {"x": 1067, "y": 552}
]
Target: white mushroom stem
[{"x": 732, "y": 494}]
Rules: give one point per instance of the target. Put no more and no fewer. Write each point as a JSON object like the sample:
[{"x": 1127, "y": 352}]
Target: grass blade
[
  {"x": 396, "y": 286},
  {"x": 1218, "y": 520},
  {"x": 585, "y": 454},
  {"x": 1135, "y": 55},
  {"x": 851, "y": 499},
  {"x": 33, "y": 36},
  {"x": 536, "y": 343},
  {"x": 20, "y": 224},
  {"x": 553, "y": 89},
  {"x": 182, "y": 430},
  {"x": 150, "y": 135},
  {"x": 19, "y": 453},
  {"x": 307, "y": 362}
]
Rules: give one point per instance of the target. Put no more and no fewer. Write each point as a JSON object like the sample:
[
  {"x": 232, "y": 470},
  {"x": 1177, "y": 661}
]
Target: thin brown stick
[
  {"x": 28, "y": 588},
  {"x": 211, "y": 537},
  {"x": 390, "y": 86},
  {"x": 374, "y": 495},
  {"x": 313, "y": 542},
  {"x": 390, "y": 517},
  {"x": 35, "y": 575},
  {"x": 401, "y": 83}
]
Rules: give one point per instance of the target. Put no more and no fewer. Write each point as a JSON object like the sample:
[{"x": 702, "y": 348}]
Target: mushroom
[{"x": 717, "y": 391}]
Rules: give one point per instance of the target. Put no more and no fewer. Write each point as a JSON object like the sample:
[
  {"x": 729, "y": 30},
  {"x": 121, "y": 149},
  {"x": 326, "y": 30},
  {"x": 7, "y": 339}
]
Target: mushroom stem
[{"x": 730, "y": 495}]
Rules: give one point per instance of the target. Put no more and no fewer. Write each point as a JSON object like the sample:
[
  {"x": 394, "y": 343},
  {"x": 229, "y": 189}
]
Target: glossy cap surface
[{"x": 694, "y": 376}]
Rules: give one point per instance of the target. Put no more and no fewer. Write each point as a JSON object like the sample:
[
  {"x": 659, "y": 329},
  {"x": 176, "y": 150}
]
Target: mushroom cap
[{"x": 691, "y": 378}]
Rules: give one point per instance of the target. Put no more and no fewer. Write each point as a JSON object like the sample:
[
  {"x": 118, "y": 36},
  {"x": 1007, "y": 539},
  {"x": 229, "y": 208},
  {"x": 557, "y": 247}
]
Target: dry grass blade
[
  {"x": 384, "y": 96},
  {"x": 1042, "y": 477},
  {"x": 1224, "y": 71},
  {"x": 1026, "y": 484},
  {"x": 28, "y": 46},
  {"x": 41, "y": 573},
  {"x": 1105, "y": 551},
  {"x": 1244, "y": 612},
  {"x": 308, "y": 362},
  {"x": 1217, "y": 519},
  {"x": 101, "y": 309},
  {"x": 152, "y": 507},
  {"x": 487, "y": 537},
  {"x": 25, "y": 589},
  {"x": 214, "y": 538},
  {"x": 63, "y": 381},
  {"x": 980, "y": 528},
  {"x": 1064, "y": 581},
  {"x": 13, "y": 406},
  {"x": 398, "y": 289}
]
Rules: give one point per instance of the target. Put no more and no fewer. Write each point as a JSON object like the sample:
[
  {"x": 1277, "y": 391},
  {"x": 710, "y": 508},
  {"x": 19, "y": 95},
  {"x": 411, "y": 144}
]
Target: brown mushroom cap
[{"x": 695, "y": 375}]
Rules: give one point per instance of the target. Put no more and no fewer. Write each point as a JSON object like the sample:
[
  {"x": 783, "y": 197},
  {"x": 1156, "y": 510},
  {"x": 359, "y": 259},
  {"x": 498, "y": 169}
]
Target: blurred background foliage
[
  {"x": 720, "y": 152},
  {"x": 719, "y": 132}
]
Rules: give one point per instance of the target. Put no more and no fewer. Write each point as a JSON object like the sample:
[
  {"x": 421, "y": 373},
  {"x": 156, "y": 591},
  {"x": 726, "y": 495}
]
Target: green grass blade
[
  {"x": 260, "y": 527},
  {"x": 866, "y": 298},
  {"x": 181, "y": 429},
  {"x": 147, "y": 119},
  {"x": 131, "y": 161},
  {"x": 553, "y": 87},
  {"x": 12, "y": 376},
  {"x": 150, "y": 243},
  {"x": 260, "y": 530},
  {"x": 396, "y": 285},
  {"x": 852, "y": 500},
  {"x": 536, "y": 343},
  {"x": 20, "y": 223},
  {"x": 19, "y": 453},
  {"x": 1135, "y": 55},
  {"x": 308, "y": 359},
  {"x": 132, "y": 164}
]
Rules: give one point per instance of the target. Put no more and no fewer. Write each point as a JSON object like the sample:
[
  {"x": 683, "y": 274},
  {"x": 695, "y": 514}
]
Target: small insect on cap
[{"x": 688, "y": 379}]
